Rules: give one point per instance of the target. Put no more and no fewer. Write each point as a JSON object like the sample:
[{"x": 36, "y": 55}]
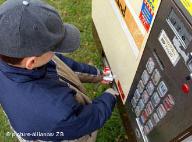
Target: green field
[{"x": 78, "y": 12}]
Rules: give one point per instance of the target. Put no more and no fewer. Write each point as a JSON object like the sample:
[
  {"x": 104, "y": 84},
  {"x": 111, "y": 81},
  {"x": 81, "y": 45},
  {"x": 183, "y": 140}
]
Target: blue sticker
[{"x": 147, "y": 14}]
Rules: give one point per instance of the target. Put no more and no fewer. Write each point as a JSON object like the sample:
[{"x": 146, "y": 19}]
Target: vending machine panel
[{"x": 159, "y": 103}]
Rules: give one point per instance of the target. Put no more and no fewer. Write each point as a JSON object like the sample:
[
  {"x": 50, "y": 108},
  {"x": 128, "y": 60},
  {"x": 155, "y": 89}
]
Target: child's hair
[{"x": 11, "y": 60}]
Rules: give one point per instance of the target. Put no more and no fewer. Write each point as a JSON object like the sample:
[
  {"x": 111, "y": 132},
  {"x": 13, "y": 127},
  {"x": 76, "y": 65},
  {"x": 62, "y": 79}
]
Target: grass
[{"x": 78, "y": 12}]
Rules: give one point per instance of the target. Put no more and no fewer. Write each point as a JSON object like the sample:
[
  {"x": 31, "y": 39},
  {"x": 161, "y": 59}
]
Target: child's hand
[{"x": 112, "y": 92}]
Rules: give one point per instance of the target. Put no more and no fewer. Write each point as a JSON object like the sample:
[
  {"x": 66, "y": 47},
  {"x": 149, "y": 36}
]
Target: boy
[{"x": 40, "y": 94}]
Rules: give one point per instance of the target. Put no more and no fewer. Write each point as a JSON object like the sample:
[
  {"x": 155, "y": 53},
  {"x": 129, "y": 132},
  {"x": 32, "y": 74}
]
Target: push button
[{"x": 185, "y": 88}]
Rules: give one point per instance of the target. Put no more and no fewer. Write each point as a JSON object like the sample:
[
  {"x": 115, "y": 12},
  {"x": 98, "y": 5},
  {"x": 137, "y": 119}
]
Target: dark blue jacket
[{"x": 35, "y": 102}]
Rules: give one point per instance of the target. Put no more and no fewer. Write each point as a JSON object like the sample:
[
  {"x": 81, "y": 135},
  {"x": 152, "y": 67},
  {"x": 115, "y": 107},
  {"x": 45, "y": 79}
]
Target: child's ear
[{"x": 30, "y": 63}]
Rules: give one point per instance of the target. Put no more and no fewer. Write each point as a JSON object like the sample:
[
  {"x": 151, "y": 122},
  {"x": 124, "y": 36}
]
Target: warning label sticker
[
  {"x": 134, "y": 30},
  {"x": 122, "y": 95},
  {"x": 148, "y": 11},
  {"x": 169, "y": 48},
  {"x": 188, "y": 5}
]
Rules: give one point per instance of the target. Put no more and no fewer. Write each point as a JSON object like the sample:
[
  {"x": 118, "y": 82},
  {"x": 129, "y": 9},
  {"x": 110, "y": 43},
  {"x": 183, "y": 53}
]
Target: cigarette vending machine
[
  {"x": 123, "y": 27},
  {"x": 160, "y": 99},
  {"x": 148, "y": 45}
]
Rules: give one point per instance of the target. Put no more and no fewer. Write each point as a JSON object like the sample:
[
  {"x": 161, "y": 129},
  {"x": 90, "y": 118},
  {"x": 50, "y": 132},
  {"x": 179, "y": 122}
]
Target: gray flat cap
[{"x": 32, "y": 27}]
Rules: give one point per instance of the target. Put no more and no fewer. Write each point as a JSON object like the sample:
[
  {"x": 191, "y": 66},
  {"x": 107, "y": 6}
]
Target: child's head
[
  {"x": 31, "y": 31},
  {"x": 28, "y": 62}
]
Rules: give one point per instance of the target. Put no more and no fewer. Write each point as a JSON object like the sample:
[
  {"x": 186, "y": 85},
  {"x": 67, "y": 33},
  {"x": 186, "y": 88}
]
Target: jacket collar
[{"x": 20, "y": 74}]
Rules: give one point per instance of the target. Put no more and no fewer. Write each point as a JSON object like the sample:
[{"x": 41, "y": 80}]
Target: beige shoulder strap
[{"x": 64, "y": 71}]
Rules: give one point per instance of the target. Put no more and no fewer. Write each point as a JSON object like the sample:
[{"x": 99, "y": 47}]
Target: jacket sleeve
[
  {"x": 78, "y": 67},
  {"x": 90, "y": 118}
]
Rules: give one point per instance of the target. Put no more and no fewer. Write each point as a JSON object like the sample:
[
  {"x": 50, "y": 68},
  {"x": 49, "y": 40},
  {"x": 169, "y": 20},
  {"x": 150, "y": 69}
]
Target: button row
[{"x": 150, "y": 102}]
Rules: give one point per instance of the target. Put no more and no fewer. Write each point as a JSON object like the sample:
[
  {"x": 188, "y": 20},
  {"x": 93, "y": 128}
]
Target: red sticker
[
  {"x": 120, "y": 90},
  {"x": 143, "y": 20}
]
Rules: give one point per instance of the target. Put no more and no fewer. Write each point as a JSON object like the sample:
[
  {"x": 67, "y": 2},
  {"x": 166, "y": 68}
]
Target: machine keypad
[{"x": 151, "y": 100}]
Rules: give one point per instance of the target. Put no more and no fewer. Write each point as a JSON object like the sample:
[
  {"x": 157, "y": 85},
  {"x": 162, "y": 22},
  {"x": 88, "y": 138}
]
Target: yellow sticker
[
  {"x": 153, "y": 4},
  {"x": 188, "y": 5}
]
